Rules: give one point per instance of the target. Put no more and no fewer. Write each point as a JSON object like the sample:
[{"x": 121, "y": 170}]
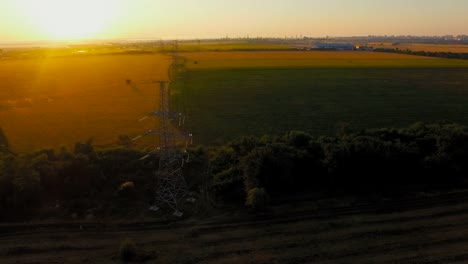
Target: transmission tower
[{"x": 172, "y": 187}]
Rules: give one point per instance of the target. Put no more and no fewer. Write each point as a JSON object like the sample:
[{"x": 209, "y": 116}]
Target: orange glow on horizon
[{"x": 35, "y": 20}]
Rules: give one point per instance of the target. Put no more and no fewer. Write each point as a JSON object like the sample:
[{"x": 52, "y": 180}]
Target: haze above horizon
[{"x": 31, "y": 20}]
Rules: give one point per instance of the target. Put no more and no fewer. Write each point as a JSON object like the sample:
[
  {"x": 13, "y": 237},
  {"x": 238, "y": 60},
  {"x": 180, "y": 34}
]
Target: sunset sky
[{"x": 28, "y": 20}]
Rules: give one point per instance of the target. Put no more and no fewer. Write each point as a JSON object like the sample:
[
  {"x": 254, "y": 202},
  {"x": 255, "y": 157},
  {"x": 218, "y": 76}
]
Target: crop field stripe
[
  {"x": 316, "y": 59},
  {"x": 298, "y": 64},
  {"x": 458, "y": 48}
]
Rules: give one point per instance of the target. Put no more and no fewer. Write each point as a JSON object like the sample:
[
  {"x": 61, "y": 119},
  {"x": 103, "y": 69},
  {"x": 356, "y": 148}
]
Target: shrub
[
  {"x": 127, "y": 250},
  {"x": 127, "y": 191},
  {"x": 228, "y": 185},
  {"x": 270, "y": 167},
  {"x": 127, "y": 187},
  {"x": 257, "y": 199}
]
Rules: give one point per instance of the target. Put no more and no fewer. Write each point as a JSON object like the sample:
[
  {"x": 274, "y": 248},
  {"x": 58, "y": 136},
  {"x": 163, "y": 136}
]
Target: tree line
[{"x": 86, "y": 180}]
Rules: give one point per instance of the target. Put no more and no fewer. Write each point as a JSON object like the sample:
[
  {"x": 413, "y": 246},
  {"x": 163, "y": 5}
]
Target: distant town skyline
[{"x": 32, "y": 20}]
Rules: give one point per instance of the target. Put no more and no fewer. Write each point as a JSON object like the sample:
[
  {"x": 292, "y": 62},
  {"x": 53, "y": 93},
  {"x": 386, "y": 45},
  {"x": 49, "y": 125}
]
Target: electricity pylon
[{"x": 172, "y": 187}]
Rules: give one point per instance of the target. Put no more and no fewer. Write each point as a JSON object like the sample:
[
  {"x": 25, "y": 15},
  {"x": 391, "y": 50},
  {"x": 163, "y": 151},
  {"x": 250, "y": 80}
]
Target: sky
[{"x": 30, "y": 20}]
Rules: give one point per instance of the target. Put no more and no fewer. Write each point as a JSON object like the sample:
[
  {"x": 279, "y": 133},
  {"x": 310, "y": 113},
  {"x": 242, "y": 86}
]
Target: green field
[{"x": 227, "y": 103}]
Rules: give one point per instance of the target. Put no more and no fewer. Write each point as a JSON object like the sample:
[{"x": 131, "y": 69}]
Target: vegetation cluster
[
  {"x": 250, "y": 170},
  {"x": 78, "y": 183}
]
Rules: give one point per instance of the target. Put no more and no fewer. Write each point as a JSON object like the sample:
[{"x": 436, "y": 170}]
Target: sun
[{"x": 72, "y": 19}]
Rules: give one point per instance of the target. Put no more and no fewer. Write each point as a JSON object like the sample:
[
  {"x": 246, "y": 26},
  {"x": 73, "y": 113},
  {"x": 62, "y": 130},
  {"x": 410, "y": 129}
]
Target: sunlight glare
[{"x": 71, "y": 19}]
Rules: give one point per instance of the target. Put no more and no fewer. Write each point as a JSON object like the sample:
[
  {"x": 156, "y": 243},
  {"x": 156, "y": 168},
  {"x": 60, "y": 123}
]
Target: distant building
[
  {"x": 334, "y": 46},
  {"x": 462, "y": 38}
]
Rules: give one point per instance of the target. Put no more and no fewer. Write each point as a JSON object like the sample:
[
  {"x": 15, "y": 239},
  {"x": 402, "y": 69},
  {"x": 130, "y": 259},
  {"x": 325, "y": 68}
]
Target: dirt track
[{"x": 424, "y": 230}]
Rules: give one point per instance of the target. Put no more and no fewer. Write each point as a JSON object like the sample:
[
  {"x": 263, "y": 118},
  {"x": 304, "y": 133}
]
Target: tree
[
  {"x": 20, "y": 187},
  {"x": 269, "y": 167},
  {"x": 258, "y": 199},
  {"x": 4, "y": 145}
]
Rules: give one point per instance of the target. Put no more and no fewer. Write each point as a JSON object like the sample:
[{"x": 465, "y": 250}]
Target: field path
[{"x": 424, "y": 230}]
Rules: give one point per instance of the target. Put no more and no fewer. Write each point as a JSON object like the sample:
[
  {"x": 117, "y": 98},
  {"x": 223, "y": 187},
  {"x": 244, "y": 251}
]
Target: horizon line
[{"x": 226, "y": 37}]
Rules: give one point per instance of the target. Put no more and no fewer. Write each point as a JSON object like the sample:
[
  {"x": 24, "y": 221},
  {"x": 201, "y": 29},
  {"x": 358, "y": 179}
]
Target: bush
[
  {"x": 257, "y": 199},
  {"x": 127, "y": 194},
  {"x": 127, "y": 250},
  {"x": 127, "y": 187},
  {"x": 270, "y": 167}
]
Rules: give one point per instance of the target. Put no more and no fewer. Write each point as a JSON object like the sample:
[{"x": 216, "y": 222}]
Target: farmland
[
  {"x": 423, "y": 47},
  {"x": 316, "y": 59},
  {"x": 222, "y": 46},
  {"x": 150, "y": 47},
  {"x": 232, "y": 95},
  {"x": 58, "y": 101}
]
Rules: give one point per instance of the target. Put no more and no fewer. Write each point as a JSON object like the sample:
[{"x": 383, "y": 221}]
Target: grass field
[
  {"x": 229, "y": 102},
  {"x": 50, "y": 102}
]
